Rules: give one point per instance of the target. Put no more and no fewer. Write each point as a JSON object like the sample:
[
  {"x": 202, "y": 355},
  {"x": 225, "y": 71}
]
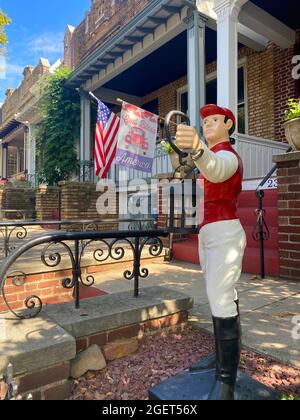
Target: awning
[{"x": 9, "y": 127}]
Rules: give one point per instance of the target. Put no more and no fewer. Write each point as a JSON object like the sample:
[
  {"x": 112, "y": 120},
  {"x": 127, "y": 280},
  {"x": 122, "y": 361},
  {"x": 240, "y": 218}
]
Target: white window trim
[{"x": 212, "y": 76}]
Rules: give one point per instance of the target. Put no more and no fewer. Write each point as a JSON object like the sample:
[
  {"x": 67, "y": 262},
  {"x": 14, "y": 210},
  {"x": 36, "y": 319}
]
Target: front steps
[{"x": 248, "y": 203}]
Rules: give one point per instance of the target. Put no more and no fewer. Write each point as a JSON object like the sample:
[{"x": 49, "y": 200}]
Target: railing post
[
  {"x": 261, "y": 234},
  {"x": 137, "y": 265},
  {"x": 76, "y": 275},
  {"x": 6, "y": 242}
]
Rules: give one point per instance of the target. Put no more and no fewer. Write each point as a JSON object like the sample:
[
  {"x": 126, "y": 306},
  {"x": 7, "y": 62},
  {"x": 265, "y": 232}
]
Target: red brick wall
[
  {"x": 167, "y": 96},
  {"x": 284, "y": 86},
  {"x": 260, "y": 93},
  {"x": 16, "y": 198},
  {"x": 136, "y": 330},
  {"x": 289, "y": 218},
  {"x": 47, "y": 286},
  {"x": 47, "y": 203},
  {"x": 79, "y": 201}
]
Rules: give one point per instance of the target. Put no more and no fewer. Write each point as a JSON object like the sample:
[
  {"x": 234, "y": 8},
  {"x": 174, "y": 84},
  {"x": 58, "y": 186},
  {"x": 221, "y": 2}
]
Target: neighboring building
[
  {"x": 162, "y": 56},
  {"x": 20, "y": 117}
]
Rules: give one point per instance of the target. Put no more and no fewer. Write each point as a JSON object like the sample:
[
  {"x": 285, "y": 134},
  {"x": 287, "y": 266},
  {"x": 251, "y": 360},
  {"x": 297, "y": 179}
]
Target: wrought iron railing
[
  {"x": 261, "y": 231},
  {"x": 108, "y": 245},
  {"x": 12, "y": 231}
]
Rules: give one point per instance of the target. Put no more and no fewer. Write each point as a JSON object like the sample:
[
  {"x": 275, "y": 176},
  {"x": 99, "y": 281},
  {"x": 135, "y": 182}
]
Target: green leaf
[
  {"x": 293, "y": 110},
  {"x": 60, "y": 128}
]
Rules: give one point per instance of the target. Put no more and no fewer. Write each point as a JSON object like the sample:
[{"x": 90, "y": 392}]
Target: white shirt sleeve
[{"x": 217, "y": 167}]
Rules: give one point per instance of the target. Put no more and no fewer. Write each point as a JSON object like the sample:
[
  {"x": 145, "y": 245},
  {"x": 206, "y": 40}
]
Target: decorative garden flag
[{"x": 136, "y": 138}]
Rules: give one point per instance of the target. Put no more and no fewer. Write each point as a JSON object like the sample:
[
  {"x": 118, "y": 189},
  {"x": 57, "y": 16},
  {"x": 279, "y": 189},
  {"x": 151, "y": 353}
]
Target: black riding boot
[
  {"x": 228, "y": 351},
  {"x": 208, "y": 362}
]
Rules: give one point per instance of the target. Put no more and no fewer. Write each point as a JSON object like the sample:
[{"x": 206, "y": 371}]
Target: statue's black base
[{"x": 196, "y": 387}]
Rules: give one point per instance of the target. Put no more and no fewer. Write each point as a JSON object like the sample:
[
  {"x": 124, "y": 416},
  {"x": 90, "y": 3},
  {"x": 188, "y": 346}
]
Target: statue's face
[{"x": 215, "y": 129}]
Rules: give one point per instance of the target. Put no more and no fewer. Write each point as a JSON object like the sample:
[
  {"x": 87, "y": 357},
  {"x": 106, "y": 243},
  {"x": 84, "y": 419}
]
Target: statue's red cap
[{"x": 212, "y": 109}]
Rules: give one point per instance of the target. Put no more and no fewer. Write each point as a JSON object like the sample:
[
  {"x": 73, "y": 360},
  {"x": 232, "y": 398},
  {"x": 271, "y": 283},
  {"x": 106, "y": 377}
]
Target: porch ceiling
[
  {"x": 8, "y": 128},
  {"x": 163, "y": 66},
  {"x": 286, "y": 11},
  {"x": 275, "y": 20},
  {"x": 16, "y": 137}
]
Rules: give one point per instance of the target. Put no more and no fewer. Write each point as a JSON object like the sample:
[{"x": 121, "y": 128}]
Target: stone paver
[
  {"x": 117, "y": 310},
  {"x": 33, "y": 344}
]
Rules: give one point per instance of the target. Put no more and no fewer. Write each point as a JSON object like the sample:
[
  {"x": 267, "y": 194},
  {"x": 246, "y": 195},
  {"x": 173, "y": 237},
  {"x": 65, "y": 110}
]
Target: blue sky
[{"x": 37, "y": 31}]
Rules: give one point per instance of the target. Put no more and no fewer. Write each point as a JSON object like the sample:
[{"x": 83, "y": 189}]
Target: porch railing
[
  {"x": 18, "y": 231},
  {"x": 256, "y": 153},
  {"x": 261, "y": 231},
  {"x": 108, "y": 245}
]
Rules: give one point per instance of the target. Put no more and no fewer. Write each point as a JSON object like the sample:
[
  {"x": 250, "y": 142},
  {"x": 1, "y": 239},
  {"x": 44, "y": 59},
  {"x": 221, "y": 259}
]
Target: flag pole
[{"x": 93, "y": 96}]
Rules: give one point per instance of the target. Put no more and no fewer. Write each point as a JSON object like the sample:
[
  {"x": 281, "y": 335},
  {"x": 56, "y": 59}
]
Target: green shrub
[
  {"x": 293, "y": 110},
  {"x": 57, "y": 134},
  {"x": 289, "y": 398}
]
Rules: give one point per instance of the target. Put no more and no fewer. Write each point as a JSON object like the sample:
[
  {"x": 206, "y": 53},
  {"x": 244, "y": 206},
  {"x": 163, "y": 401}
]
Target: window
[
  {"x": 184, "y": 103},
  {"x": 12, "y": 161},
  {"x": 242, "y": 111},
  {"x": 211, "y": 98}
]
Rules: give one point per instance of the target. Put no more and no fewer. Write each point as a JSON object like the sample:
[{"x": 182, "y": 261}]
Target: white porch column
[
  {"x": 196, "y": 66},
  {"x": 30, "y": 154},
  {"x": 85, "y": 133},
  {"x": 227, "y": 51},
  {"x": 4, "y": 160}
]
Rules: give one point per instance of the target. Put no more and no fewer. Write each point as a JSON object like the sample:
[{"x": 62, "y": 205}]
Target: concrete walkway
[{"x": 267, "y": 307}]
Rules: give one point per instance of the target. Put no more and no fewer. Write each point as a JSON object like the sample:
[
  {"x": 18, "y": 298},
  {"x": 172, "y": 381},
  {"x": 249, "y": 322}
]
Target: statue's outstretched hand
[{"x": 187, "y": 138}]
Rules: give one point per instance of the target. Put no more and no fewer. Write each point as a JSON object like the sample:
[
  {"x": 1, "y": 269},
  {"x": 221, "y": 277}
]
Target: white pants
[{"x": 221, "y": 250}]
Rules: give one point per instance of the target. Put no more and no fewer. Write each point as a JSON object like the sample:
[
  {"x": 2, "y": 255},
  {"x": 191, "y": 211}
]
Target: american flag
[{"x": 106, "y": 140}]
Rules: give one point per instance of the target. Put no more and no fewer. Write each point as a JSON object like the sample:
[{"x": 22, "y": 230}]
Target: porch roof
[
  {"x": 6, "y": 129},
  {"x": 152, "y": 16},
  {"x": 163, "y": 66},
  {"x": 287, "y": 13}
]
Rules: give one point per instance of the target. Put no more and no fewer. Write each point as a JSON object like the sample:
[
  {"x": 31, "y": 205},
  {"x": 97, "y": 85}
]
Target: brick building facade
[
  {"x": 101, "y": 22},
  {"x": 268, "y": 81},
  {"x": 20, "y": 115}
]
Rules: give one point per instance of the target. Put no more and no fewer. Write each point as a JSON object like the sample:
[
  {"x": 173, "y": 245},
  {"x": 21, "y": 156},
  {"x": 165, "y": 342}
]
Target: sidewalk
[{"x": 267, "y": 307}]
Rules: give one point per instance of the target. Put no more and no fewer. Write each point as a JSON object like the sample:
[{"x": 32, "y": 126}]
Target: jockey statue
[{"x": 222, "y": 239}]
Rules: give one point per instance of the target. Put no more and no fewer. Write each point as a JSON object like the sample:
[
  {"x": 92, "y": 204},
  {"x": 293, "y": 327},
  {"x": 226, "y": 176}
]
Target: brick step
[
  {"x": 251, "y": 263},
  {"x": 193, "y": 238},
  {"x": 189, "y": 253},
  {"x": 186, "y": 251},
  {"x": 272, "y": 243}
]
